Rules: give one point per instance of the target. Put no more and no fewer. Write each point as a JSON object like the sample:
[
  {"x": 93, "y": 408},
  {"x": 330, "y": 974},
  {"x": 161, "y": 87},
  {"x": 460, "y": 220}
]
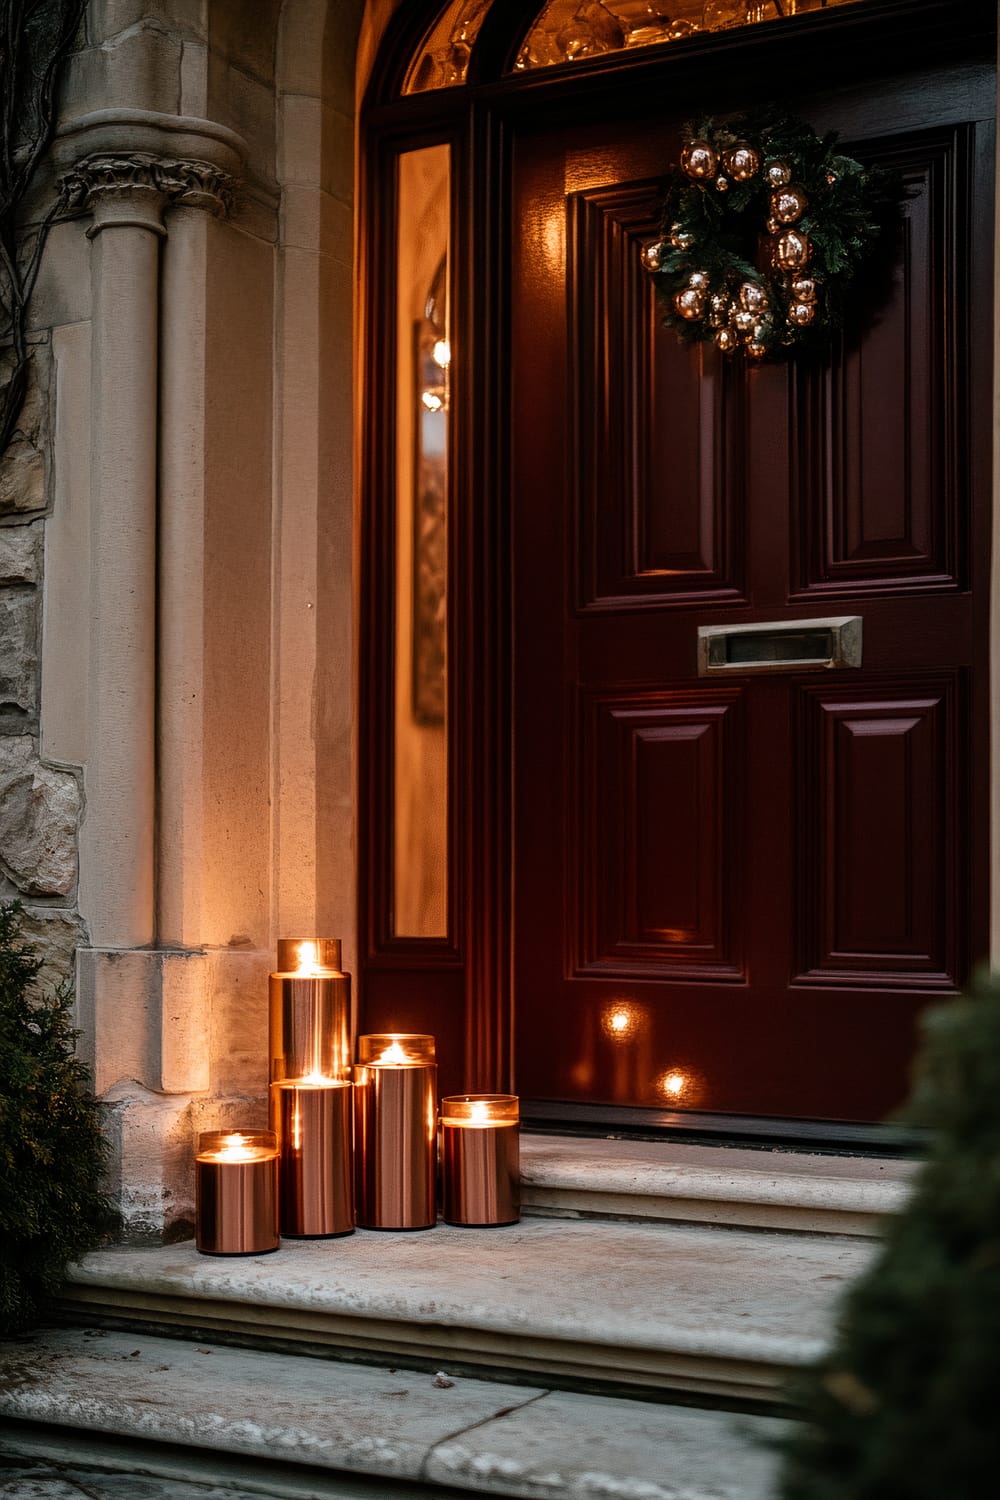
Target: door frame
[{"x": 460, "y": 986}]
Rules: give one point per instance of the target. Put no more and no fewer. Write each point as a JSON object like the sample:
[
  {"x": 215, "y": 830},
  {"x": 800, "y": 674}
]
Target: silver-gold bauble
[
  {"x": 722, "y": 184},
  {"x": 742, "y": 321},
  {"x": 699, "y": 280},
  {"x": 804, "y": 289},
  {"x": 680, "y": 239},
  {"x": 801, "y": 313},
  {"x": 757, "y": 348},
  {"x": 699, "y": 160},
  {"x": 651, "y": 254},
  {"x": 753, "y": 297},
  {"x": 725, "y": 340},
  {"x": 718, "y": 309},
  {"x": 741, "y": 161},
  {"x": 788, "y": 204},
  {"x": 778, "y": 173},
  {"x": 793, "y": 251},
  {"x": 690, "y": 303},
  {"x": 773, "y": 227}
]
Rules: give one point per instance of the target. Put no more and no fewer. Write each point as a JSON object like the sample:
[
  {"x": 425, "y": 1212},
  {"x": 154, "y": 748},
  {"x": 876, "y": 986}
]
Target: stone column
[
  {"x": 117, "y": 838},
  {"x": 143, "y": 1007}
]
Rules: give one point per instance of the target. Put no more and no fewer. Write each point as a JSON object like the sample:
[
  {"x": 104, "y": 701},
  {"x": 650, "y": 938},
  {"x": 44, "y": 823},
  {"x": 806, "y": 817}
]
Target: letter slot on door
[{"x": 780, "y": 646}]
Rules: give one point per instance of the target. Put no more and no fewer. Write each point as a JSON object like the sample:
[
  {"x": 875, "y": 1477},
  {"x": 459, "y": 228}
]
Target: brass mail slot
[{"x": 780, "y": 646}]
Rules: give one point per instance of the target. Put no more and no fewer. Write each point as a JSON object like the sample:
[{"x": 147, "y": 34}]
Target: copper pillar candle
[
  {"x": 236, "y": 1192},
  {"x": 395, "y": 1120},
  {"x": 312, "y": 1119},
  {"x": 480, "y": 1159},
  {"x": 310, "y": 1011}
]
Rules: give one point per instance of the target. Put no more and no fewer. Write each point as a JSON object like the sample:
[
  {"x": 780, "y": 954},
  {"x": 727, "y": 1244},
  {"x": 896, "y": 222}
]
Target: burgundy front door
[{"x": 736, "y": 893}]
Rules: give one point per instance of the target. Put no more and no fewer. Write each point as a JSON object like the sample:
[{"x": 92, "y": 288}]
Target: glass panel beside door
[{"x": 423, "y": 367}]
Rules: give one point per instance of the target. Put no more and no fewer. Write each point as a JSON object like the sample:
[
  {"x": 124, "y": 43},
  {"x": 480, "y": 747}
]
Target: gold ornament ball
[
  {"x": 651, "y": 255},
  {"x": 756, "y": 348},
  {"x": 741, "y": 161},
  {"x": 743, "y": 321},
  {"x": 681, "y": 239},
  {"x": 801, "y": 314},
  {"x": 690, "y": 303},
  {"x": 699, "y": 280},
  {"x": 788, "y": 204},
  {"x": 773, "y": 227},
  {"x": 718, "y": 309},
  {"x": 722, "y": 184},
  {"x": 792, "y": 251},
  {"x": 725, "y": 340},
  {"x": 698, "y": 159},
  {"x": 804, "y": 289},
  {"x": 753, "y": 297},
  {"x": 778, "y": 173}
]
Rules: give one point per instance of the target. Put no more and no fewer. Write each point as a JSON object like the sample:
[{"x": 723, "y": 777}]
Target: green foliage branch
[
  {"x": 35, "y": 36},
  {"x": 904, "y": 1407},
  {"x": 52, "y": 1153},
  {"x": 849, "y": 211}
]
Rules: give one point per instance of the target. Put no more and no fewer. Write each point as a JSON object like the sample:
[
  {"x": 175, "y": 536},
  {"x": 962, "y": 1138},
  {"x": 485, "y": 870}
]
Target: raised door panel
[
  {"x": 656, "y": 444},
  {"x": 881, "y": 848},
  {"x": 880, "y": 460},
  {"x": 658, "y": 835}
]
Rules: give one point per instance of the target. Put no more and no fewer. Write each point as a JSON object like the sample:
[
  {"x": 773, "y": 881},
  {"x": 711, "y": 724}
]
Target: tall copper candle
[
  {"x": 395, "y": 1129},
  {"x": 312, "y": 1119},
  {"x": 236, "y": 1192},
  {"x": 480, "y": 1159},
  {"x": 310, "y": 1011}
]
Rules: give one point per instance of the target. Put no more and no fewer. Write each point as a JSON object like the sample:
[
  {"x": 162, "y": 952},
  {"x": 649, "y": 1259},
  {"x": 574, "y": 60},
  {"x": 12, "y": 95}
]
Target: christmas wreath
[{"x": 764, "y": 229}]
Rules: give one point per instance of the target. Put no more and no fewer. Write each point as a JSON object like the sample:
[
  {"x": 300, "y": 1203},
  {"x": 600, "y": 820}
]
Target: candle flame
[
  {"x": 307, "y": 958},
  {"x": 394, "y": 1054},
  {"x": 235, "y": 1148},
  {"x": 479, "y": 1113}
]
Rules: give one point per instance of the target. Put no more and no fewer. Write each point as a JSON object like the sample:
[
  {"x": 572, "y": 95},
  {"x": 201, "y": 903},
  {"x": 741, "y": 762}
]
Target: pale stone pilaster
[{"x": 117, "y": 849}]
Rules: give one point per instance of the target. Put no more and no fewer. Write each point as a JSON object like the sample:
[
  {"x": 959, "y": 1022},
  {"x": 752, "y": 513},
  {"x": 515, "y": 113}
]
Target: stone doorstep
[
  {"x": 570, "y": 1177},
  {"x": 729, "y": 1313},
  {"x": 286, "y": 1425}
]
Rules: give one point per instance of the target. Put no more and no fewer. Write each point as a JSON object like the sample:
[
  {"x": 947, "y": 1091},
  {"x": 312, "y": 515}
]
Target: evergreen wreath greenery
[
  {"x": 905, "y": 1404},
  {"x": 765, "y": 227},
  {"x": 51, "y": 1150}
]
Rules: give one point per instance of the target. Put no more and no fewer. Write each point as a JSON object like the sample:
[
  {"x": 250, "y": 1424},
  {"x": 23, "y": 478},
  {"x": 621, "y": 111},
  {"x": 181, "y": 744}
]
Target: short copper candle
[
  {"x": 395, "y": 1129},
  {"x": 236, "y": 1192},
  {"x": 480, "y": 1156},
  {"x": 312, "y": 1119},
  {"x": 310, "y": 1011}
]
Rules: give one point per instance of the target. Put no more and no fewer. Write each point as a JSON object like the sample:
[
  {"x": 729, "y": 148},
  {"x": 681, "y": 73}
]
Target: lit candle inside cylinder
[
  {"x": 480, "y": 1157},
  {"x": 312, "y": 1119},
  {"x": 310, "y": 1011},
  {"x": 395, "y": 1128},
  {"x": 236, "y": 1192}
]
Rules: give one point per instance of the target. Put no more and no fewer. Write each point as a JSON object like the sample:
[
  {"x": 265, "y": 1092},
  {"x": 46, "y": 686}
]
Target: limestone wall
[{"x": 176, "y": 570}]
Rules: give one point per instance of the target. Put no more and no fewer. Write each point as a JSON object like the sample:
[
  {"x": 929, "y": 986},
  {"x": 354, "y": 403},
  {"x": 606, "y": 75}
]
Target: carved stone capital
[{"x": 134, "y": 187}]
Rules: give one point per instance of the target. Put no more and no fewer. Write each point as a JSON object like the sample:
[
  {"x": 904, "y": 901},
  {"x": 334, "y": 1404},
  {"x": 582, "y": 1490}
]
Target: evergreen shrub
[
  {"x": 52, "y": 1152},
  {"x": 906, "y": 1406}
]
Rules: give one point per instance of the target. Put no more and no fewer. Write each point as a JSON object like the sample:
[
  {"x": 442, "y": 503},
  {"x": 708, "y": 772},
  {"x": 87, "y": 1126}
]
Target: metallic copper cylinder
[
  {"x": 310, "y": 1025},
  {"x": 480, "y": 1159},
  {"x": 236, "y": 1192},
  {"x": 315, "y": 1182},
  {"x": 395, "y": 1129}
]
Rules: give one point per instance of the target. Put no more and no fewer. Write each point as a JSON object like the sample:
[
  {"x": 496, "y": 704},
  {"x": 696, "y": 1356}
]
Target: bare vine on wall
[{"x": 35, "y": 36}]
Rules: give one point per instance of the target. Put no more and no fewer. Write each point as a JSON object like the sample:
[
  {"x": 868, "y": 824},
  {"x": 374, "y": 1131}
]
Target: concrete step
[
  {"x": 660, "y": 1307},
  {"x": 666, "y": 1181},
  {"x": 245, "y": 1422}
]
